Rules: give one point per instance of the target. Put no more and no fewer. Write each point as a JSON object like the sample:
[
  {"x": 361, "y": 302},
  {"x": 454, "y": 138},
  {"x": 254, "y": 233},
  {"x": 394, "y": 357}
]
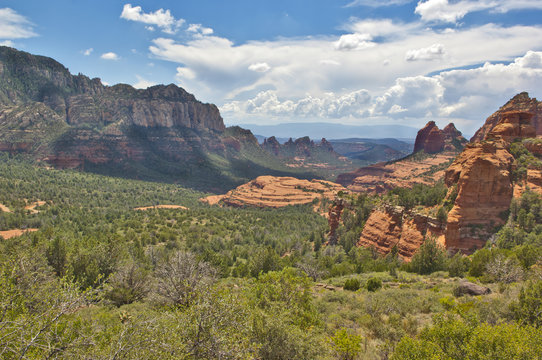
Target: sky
[{"x": 276, "y": 61}]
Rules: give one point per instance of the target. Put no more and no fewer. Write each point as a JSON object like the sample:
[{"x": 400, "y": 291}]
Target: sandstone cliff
[
  {"x": 483, "y": 175},
  {"x": 393, "y": 226},
  {"x": 521, "y": 102}
]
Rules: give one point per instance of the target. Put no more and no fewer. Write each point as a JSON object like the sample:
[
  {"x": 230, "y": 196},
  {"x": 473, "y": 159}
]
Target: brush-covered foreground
[{"x": 100, "y": 280}]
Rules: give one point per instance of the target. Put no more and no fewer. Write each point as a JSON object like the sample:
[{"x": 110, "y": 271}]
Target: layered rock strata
[{"x": 275, "y": 192}]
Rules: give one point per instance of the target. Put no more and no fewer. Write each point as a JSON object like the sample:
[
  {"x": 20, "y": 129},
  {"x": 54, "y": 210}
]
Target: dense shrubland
[{"x": 101, "y": 280}]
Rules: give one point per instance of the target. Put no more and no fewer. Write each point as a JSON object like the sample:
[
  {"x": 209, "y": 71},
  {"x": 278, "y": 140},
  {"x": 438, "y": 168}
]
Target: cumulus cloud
[
  {"x": 88, "y": 51},
  {"x": 259, "y": 67},
  {"x": 433, "y": 52},
  {"x": 199, "y": 29},
  {"x": 6, "y": 43},
  {"x": 451, "y": 12},
  {"x": 464, "y": 96},
  {"x": 267, "y": 103},
  {"x": 354, "y": 42},
  {"x": 143, "y": 83},
  {"x": 160, "y": 18},
  {"x": 109, "y": 56},
  {"x": 14, "y": 26}
]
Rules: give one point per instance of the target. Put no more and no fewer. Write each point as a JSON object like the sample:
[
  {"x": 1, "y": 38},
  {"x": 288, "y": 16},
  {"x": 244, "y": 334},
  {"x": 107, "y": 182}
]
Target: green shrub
[
  {"x": 352, "y": 284},
  {"x": 429, "y": 258},
  {"x": 373, "y": 284},
  {"x": 345, "y": 344}
]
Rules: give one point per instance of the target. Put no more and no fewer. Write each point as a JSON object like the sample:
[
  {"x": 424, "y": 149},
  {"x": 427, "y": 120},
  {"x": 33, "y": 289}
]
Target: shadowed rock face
[
  {"x": 522, "y": 103},
  {"x": 432, "y": 140}
]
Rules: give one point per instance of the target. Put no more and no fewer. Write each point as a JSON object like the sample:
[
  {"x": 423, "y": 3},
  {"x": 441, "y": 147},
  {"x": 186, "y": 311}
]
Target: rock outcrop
[
  {"x": 482, "y": 174},
  {"x": 334, "y": 220},
  {"x": 432, "y": 140},
  {"x": 275, "y": 192},
  {"x": 391, "y": 227},
  {"x": 521, "y": 102},
  {"x": 468, "y": 288}
]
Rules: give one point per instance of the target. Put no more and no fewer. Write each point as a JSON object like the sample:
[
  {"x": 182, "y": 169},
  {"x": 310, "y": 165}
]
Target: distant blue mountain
[{"x": 333, "y": 131}]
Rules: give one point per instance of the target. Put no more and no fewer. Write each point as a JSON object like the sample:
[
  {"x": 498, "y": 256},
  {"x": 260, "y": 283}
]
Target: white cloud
[
  {"x": 160, "y": 18},
  {"x": 451, "y": 12},
  {"x": 466, "y": 97},
  {"x": 14, "y": 26},
  {"x": 6, "y": 43},
  {"x": 259, "y": 67},
  {"x": 267, "y": 103},
  {"x": 199, "y": 29},
  {"x": 88, "y": 51},
  {"x": 185, "y": 74},
  {"x": 143, "y": 83},
  {"x": 110, "y": 56},
  {"x": 354, "y": 42},
  {"x": 433, "y": 52}
]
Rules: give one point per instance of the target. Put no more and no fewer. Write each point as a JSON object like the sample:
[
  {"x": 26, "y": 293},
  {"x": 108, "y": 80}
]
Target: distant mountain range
[{"x": 320, "y": 130}]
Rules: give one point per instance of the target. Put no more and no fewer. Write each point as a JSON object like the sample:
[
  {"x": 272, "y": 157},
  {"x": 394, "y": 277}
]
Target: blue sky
[{"x": 343, "y": 61}]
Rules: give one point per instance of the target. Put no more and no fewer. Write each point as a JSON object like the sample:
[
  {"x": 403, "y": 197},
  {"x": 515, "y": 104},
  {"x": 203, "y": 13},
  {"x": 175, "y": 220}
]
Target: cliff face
[
  {"x": 482, "y": 174},
  {"x": 522, "y": 103},
  {"x": 392, "y": 226},
  {"x": 80, "y": 100}
]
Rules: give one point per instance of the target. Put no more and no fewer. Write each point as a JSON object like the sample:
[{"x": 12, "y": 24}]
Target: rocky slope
[
  {"x": 161, "y": 133},
  {"x": 521, "y": 102},
  {"x": 270, "y": 191}
]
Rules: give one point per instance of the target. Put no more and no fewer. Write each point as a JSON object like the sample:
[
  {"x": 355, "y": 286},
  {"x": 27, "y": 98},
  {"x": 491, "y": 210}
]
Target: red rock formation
[
  {"x": 521, "y": 102},
  {"x": 271, "y": 191},
  {"x": 482, "y": 174},
  {"x": 334, "y": 219},
  {"x": 512, "y": 125},
  {"x": 429, "y": 138},
  {"x": 392, "y": 226},
  {"x": 432, "y": 140},
  {"x": 272, "y": 145}
]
